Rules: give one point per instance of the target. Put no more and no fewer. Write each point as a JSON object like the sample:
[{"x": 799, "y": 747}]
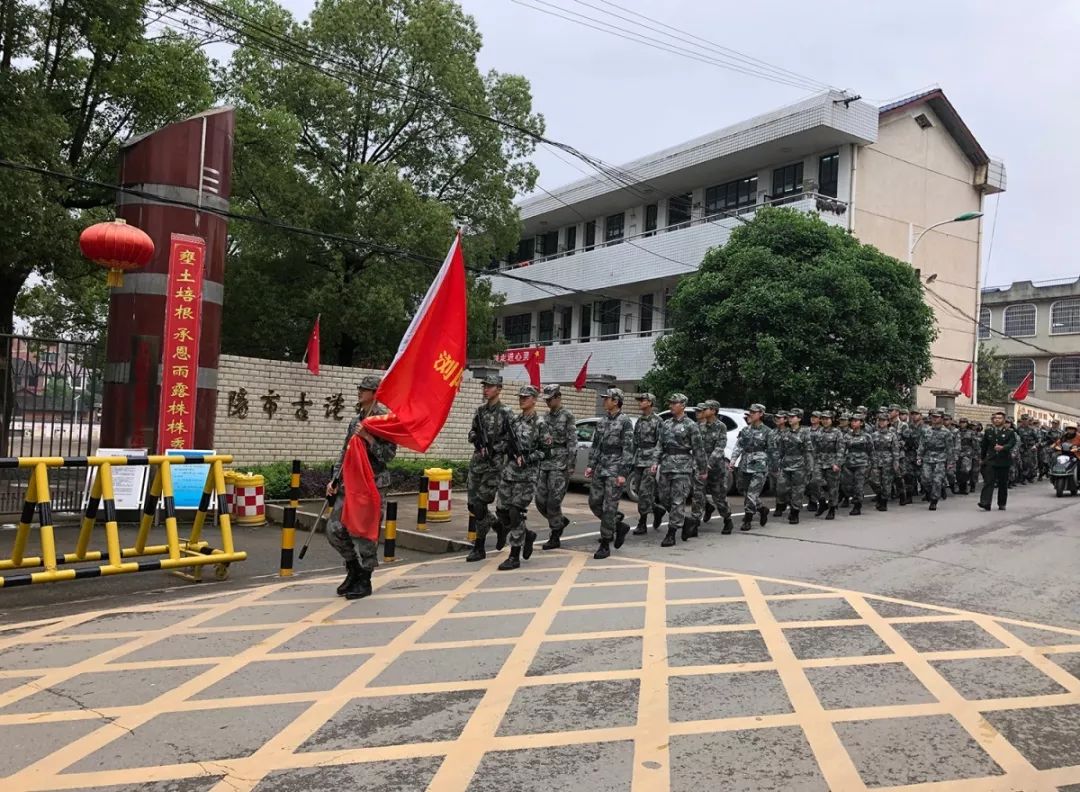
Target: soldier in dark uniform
[
  {"x": 559, "y": 434},
  {"x": 610, "y": 463},
  {"x": 996, "y": 451},
  {"x": 856, "y": 458},
  {"x": 646, "y": 451},
  {"x": 488, "y": 435},
  {"x": 518, "y": 484}
]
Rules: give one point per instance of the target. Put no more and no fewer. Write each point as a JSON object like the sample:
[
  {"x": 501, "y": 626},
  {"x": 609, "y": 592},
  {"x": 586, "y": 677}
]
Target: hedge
[{"x": 405, "y": 475}]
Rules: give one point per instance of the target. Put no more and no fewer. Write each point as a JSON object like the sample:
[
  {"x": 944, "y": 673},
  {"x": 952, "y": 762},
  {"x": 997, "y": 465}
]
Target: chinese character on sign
[
  {"x": 180, "y": 390},
  {"x": 176, "y": 427},
  {"x": 450, "y": 369},
  {"x": 334, "y": 405},
  {"x": 183, "y": 334},
  {"x": 238, "y": 403},
  {"x": 270, "y": 403},
  {"x": 301, "y": 407},
  {"x": 177, "y": 408},
  {"x": 187, "y": 257},
  {"x": 180, "y": 371},
  {"x": 182, "y": 352},
  {"x": 185, "y": 277},
  {"x": 184, "y": 312},
  {"x": 185, "y": 294}
]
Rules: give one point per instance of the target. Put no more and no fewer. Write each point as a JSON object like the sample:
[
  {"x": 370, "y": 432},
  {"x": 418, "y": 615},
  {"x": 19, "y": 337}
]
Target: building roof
[
  {"x": 1032, "y": 290},
  {"x": 944, "y": 110}
]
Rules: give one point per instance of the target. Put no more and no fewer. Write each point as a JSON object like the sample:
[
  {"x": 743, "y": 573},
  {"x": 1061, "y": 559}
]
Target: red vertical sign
[{"x": 180, "y": 343}]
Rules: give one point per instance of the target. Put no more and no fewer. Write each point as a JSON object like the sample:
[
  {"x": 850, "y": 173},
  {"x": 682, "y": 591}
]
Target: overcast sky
[{"x": 1009, "y": 68}]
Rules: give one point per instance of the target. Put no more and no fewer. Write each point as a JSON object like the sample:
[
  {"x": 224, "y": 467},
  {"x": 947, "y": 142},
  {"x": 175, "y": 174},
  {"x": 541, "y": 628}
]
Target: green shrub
[{"x": 405, "y": 475}]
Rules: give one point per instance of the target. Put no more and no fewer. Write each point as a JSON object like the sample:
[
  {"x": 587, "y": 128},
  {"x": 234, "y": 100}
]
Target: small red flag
[
  {"x": 312, "y": 354},
  {"x": 579, "y": 383},
  {"x": 1022, "y": 389},
  {"x": 967, "y": 381},
  {"x": 532, "y": 365},
  {"x": 362, "y": 509}
]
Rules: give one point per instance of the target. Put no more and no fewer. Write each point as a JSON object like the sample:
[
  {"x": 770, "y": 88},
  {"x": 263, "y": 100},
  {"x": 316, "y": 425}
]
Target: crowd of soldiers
[{"x": 678, "y": 466}]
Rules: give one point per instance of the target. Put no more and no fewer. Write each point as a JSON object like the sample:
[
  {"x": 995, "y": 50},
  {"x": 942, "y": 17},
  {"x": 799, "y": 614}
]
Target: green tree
[
  {"x": 991, "y": 376},
  {"x": 794, "y": 311},
  {"x": 372, "y": 146}
]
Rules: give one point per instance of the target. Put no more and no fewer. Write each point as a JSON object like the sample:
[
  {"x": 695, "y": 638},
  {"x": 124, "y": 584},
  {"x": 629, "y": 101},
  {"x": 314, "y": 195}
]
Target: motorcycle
[{"x": 1063, "y": 470}]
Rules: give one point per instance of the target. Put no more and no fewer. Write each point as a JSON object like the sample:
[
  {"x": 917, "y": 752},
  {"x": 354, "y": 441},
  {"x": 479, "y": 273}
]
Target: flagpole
[{"x": 318, "y": 316}]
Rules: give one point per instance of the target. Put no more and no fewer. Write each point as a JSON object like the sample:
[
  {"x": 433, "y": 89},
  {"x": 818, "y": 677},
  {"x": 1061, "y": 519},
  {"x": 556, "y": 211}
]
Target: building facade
[
  {"x": 626, "y": 238},
  {"x": 1042, "y": 323}
]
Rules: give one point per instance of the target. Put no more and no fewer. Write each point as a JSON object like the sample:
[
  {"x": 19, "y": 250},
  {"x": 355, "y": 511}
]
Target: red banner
[
  {"x": 180, "y": 343},
  {"x": 521, "y": 357}
]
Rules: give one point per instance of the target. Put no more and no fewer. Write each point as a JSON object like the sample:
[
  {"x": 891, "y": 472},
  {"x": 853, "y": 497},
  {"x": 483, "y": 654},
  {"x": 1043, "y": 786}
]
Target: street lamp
[{"x": 960, "y": 218}]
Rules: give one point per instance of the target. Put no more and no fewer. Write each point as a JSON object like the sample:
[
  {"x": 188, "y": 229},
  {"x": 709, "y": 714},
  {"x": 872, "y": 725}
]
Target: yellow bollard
[{"x": 288, "y": 530}]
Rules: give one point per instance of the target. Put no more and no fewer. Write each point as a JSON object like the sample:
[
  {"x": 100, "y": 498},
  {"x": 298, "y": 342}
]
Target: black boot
[
  {"x": 793, "y": 517},
  {"x": 933, "y": 505},
  {"x": 963, "y": 489},
  {"x": 880, "y": 504},
  {"x": 603, "y": 551},
  {"x": 361, "y": 587},
  {"x": 856, "y": 509},
  {"x": 695, "y": 523},
  {"x": 926, "y": 497},
  {"x": 709, "y": 509},
  {"x": 729, "y": 526},
  {"x": 622, "y": 528},
  {"x": 845, "y": 501},
  {"x": 821, "y": 507},
  {"x": 501, "y": 532},
  {"x": 811, "y": 505},
  {"x": 478, "y": 553},
  {"x": 687, "y": 527},
  {"x": 352, "y": 570},
  {"x": 763, "y": 515},
  {"x": 984, "y": 506},
  {"x": 747, "y": 522},
  {"x": 832, "y": 513},
  {"x": 553, "y": 540},
  {"x": 779, "y": 510},
  {"x": 657, "y": 517},
  {"x": 530, "y": 537},
  {"x": 669, "y": 538},
  {"x": 642, "y": 526},
  {"x": 513, "y": 561}
]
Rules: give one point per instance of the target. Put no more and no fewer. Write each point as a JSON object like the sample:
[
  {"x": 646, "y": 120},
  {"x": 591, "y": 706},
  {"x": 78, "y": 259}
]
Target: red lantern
[{"x": 118, "y": 246}]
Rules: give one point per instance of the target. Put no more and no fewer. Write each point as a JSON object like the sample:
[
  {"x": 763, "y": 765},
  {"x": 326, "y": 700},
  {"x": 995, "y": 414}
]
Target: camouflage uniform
[
  {"x": 682, "y": 456},
  {"x": 912, "y": 474},
  {"x": 1046, "y": 450},
  {"x": 612, "y": 457},
  {"x": 380, "y": 453},
  {"x": 950, "y": 468},
  {"x": 795, "y": 461},
  {"x": 559, "y": 435},
  {"x": 754, "y": 455},
  {"x": 518, "y": 484},
  {"x": 935, "y": 451},
  {"x": 827, "y": 444},
  {"x": 886, "y": 464},
  {"x": 485, "y": 469},
  {"x": 1028, "y": 440},
  {"x": 856, "y": 458},
  {"x": 967, "y": 454},
  {"x": 900, "y": 481},
  {"x": 646, "y": 452}
]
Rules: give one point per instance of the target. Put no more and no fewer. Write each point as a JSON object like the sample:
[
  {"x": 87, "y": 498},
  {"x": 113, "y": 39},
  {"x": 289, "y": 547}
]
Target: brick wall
[{"x": 263, "y": 438}]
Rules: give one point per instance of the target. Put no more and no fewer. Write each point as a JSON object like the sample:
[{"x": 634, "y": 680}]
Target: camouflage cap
[
  {"x": 526, "y": 391},
  {"x": 825, "y": 414},
  {"x": 845, "y": 416},
  {"x": 552, "y": 391},
  {"x": 677, "y": 398},
  {"x": 795, "y": 412},
  {"x": 613, "y": 393},
  {"x": 860, "y": 409},
  {"x": 936, "y": 413},
  {"x": 712, "y": 404},
  {"x": 781, "y": 413},
  {"x": 492, "y": 379},
  {"x": 369, "y": 382},
  {"x": 858, "y": 416},
  {"x": 755, "y": 407},
  {"x": 947, "y": 416},
  {"x": 650, "y": 398},
  {"x": 895, "y": 408},
  {"x": 883, "y": 415},
  {"x": 914, "y": 411},
  {"x": 999, "y": 412},
  {"x": 963, "y": 419},
  {"x": 700, "y": 406},
  {"x": 815, "y": 414}
]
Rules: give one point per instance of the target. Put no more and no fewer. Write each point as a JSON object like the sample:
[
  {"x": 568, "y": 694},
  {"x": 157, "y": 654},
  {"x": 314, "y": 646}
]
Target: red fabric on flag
[
  {"x": 532, "y": 365},
  {"x": 361, "y": 511},
  {"x": 1022, "y": 389},
  {"x": 579, "y": 383},
  {"x": 967, "y": 381},
  {"x": 313, "y": 349}
]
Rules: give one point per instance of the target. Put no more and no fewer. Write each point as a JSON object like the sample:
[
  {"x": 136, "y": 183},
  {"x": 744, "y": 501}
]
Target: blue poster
[{"x": 189, "y": 480}]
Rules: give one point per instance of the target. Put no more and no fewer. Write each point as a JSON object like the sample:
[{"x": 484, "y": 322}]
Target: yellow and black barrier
[
  {"x": 179, "y": 553},
  {"x": 390, "y": 534},
  {"x": 288, "y": 528},
  {"x": 421, "y": 505}
]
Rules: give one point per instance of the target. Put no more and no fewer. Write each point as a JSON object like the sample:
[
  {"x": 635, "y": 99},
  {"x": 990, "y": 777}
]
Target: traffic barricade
[
  {"x": 176, "y": 555},
  {"x": 249, "y": 500},
  {"x": 440, "y": 481},
  {"x": 230, "y": 488}
]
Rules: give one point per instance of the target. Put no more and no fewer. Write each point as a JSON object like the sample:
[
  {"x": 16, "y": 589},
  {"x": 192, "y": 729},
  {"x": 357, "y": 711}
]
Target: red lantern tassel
[{"x": 116, "y": 278}]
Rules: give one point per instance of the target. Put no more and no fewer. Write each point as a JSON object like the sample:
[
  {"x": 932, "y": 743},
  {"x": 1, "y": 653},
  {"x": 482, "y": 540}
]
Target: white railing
[{"x": 595, "y": 337}]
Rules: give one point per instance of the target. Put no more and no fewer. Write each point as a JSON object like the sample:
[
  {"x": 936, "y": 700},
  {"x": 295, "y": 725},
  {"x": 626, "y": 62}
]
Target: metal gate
[{"x": 50, "y": 405}]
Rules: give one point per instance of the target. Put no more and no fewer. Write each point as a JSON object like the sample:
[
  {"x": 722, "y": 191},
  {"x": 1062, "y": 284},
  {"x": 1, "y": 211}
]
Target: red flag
[
  {"x": 579, "y": 383},
  {"x": 312, "y": 353},
  {"x": 1022, "y": 389},
  {"x": 532, "y": 365},
  {"x": 361, "y": 511},
  {"x": 967, "y": 380}
]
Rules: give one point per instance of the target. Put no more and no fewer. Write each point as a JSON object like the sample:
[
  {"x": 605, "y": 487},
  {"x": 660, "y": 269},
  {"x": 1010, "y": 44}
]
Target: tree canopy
[
  {"x": 991, "y": 373},
  {"x": 794, "y": 311}
]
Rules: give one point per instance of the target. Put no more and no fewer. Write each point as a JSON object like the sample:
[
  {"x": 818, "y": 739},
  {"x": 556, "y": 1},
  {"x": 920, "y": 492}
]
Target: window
[
  {"x": 787, "y": 180},
  {"x": 984, "y": 324},
  {"x": 609, "y": 319},
  {"x": 590, "y": 235},
  {"x": 571, "y": 240},
  {"x": 562, "y": 330},
  {"x": 585, "y": 331},
  {"x": 546, "y": 327},
  {"x": 517, "y": 329},
  {"x": 678, "y": 210},
  {"x": 1020, "y": 320},
  {"x": 1015, "y": 371},
  {"x": 526, "y": 249},
  {"x": 646, "y": 307},
  {"x": 651, "y": 214},
  {"x": 1065, "y": 317},
  {"x": 829, "y": 174},
  {"x": 549, "y": 243},
  {"x": 1065, "y": 374},
  {"x": 613, "y": 228},
  {"x": 728, "y": 197}
]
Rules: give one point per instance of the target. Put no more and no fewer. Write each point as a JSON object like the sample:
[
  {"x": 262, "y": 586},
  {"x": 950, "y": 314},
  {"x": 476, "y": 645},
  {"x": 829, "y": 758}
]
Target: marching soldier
[
  {"x": 697, "y": 499},
  {"x": 856, "y": 457},
  {"x": 560, "y": 441},
  {"x": 966, "y": 457},
  {"x": 998, "y": 442},
  {"x": 1050, "y": 436},
  {"x": 714, "y": 440},
  {"x": 361, "y": 555},
  {"x": 934, "y": 456},
  {"x": 827, "y": 444},
  {"x": 610, "y": 463},
  {"x": 780, "y": 427},
  {"x": 886, "y": 461},
  {"x": 755, "y": 451},
  {"x": 1014, "y": 465},
  {"x": 646, "y": 452},
  {"x": 898, "y": 422},
  {"x": 525, "y": 450},
  {"x": 488, "y": 435},
  {"x": 912, "y": 474},
  {"x": 813, "y": 484},
  {"x": 682, "y": 456},
  {"x": 1029, "y": 450},
  {"x": 795, "y": 461}
]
